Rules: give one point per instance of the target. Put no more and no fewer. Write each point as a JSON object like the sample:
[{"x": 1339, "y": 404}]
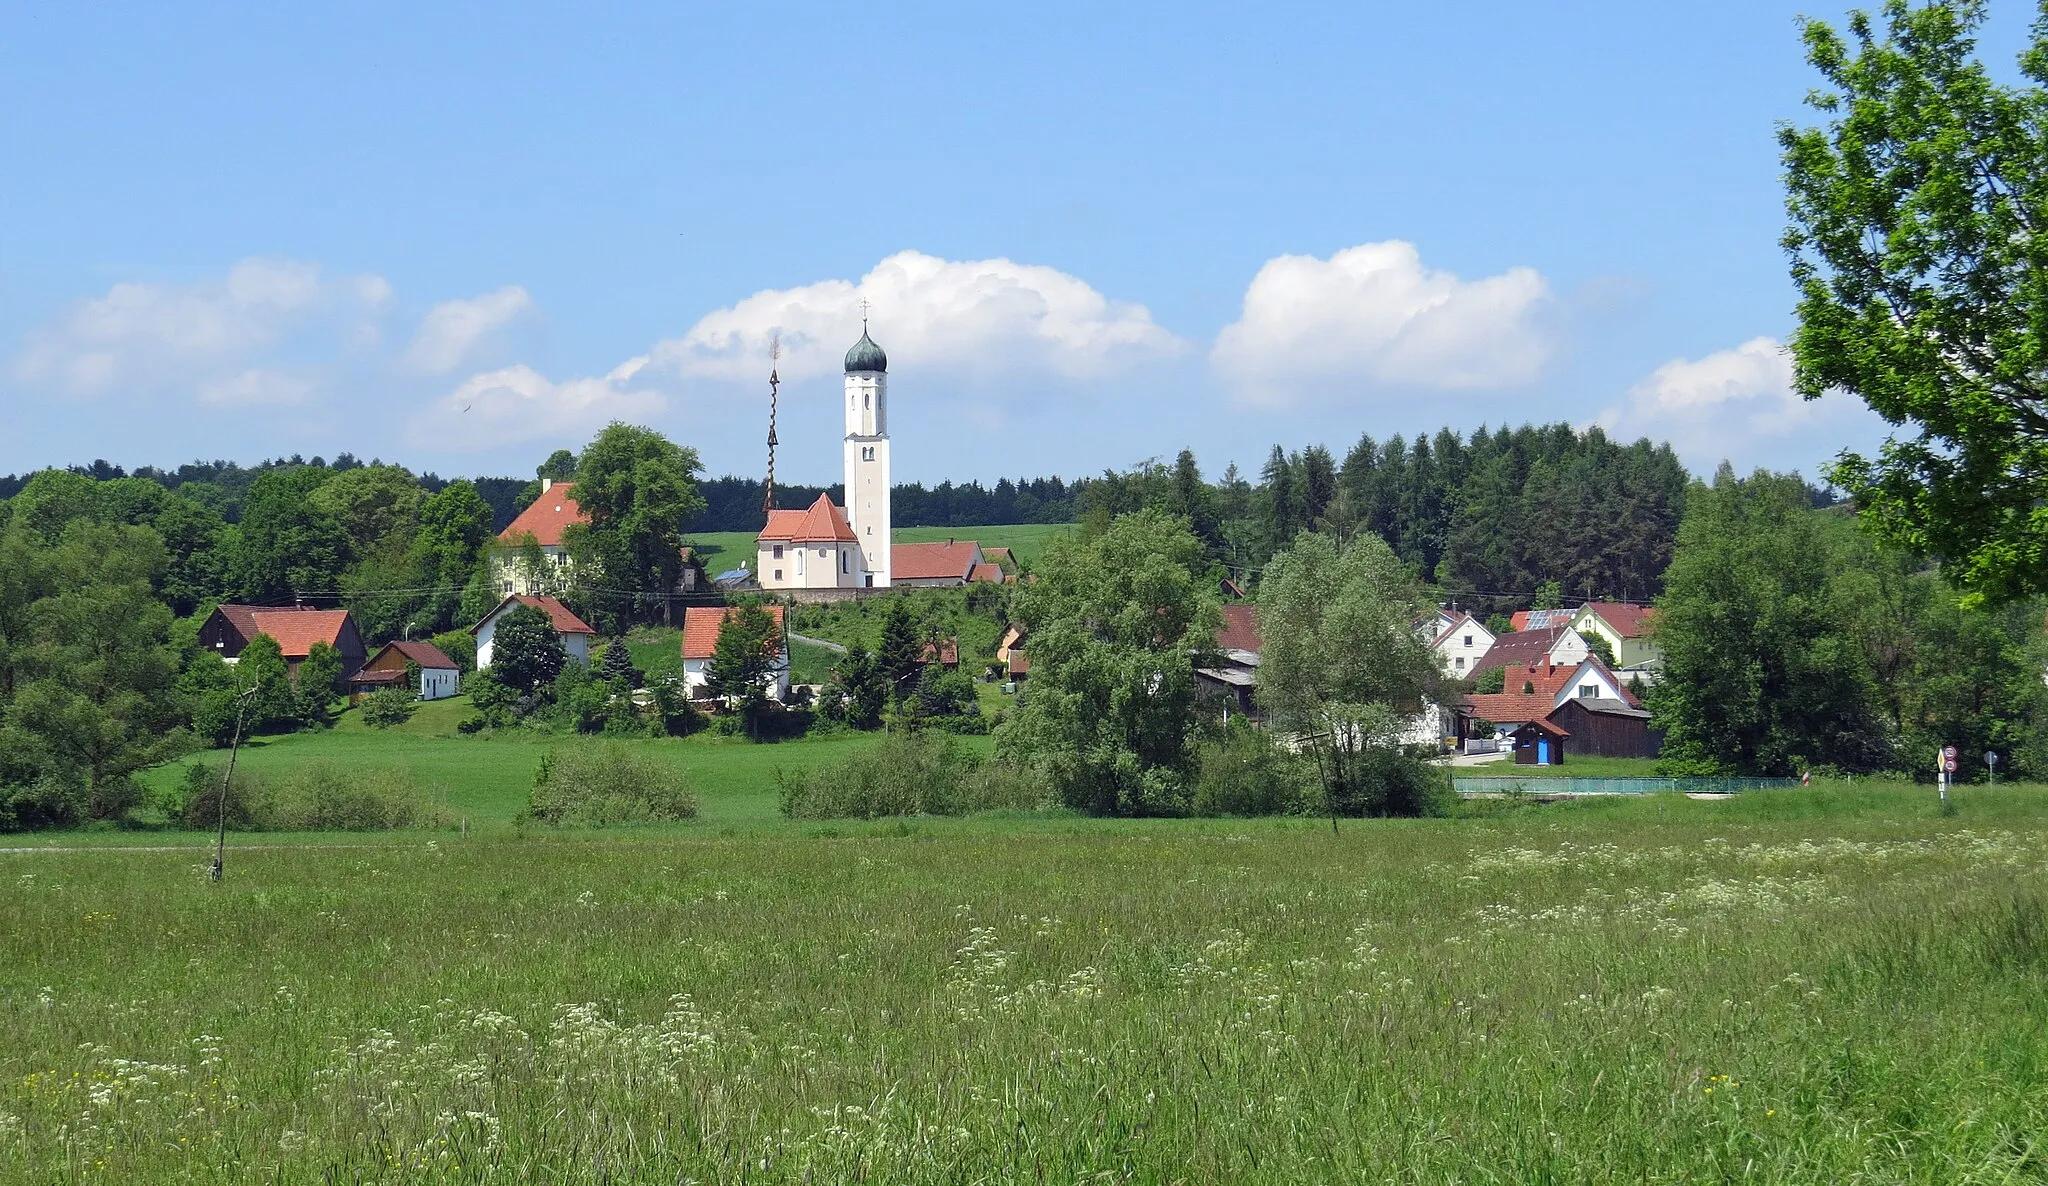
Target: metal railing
[{"x": 1558, "y": 787}]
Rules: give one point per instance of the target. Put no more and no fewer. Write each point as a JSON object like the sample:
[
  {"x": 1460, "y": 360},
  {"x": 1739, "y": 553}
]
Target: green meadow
[{"x": 1827, "y": 985}]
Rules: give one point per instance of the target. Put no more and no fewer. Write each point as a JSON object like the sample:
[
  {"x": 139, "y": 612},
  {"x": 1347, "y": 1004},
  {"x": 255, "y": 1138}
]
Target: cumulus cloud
[
  {"x": 1375, "y": 315},
  {"x": 152, "y": 336},
  {"x": 517, "y": 403},
  {"x": 451, "y": 330},
  {"x": 966, "y": 315},
  {"x": 1739, "y": 403}
]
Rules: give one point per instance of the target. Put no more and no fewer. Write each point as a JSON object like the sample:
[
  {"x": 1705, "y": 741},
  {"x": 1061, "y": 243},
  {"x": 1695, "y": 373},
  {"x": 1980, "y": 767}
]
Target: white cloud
[
  {"x": 151, "y": 337},
  {"x": 1374, "y": 314},
  {"x": 452, "y": 329},
  {"x": 257, "y": 387},
  {"x": 978, "y": 316},
  {"x": 1738, "y": 404},
  {"x": 518, "y": 403}
]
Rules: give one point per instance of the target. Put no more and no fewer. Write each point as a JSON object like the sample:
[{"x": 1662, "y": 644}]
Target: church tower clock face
[{"x": 867, "y": 455}]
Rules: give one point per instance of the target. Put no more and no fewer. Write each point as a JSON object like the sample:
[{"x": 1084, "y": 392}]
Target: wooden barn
[{"x": 1607, "y": 728}]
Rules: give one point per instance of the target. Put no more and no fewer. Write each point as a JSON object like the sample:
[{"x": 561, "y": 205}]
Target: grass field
[
  {"x": 484, "y": 779},
  {"x": 1807, "y": 986}
]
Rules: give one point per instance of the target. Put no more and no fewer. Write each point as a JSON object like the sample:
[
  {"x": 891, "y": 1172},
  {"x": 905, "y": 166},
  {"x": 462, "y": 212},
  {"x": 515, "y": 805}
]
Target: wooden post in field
[{"x": 220, "y": 844}]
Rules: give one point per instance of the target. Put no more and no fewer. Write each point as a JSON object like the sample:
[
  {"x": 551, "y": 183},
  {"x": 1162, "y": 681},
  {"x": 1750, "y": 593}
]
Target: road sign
[
  {"x": 1990, "y": 758},
  {"x": 1948, "y": 759}
]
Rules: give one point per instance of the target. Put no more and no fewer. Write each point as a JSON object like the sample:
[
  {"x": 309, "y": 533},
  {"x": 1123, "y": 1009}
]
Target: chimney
[{"x": 546, "y": 484}]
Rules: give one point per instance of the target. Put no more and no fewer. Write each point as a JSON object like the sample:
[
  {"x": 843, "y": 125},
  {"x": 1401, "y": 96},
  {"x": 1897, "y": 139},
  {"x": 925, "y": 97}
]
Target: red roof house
[
  {"x": 701, "y": 624},
  {"x": 546, "y": 517},
  {"x": 949, "y": 563},
  {"x": 572, "y": 630}
]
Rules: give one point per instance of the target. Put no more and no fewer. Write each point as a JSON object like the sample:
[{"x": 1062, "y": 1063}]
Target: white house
[
  {"x": 701, "y": 624},
  {"x": 1626, "y": 628},
  {"x": 809, "y": 549},
  {"x": 1461, "y": 644},
  {"x": 439, "y": 677},
  {"x": 541, "y": 524},
  {"x": 572, "y": 630}
]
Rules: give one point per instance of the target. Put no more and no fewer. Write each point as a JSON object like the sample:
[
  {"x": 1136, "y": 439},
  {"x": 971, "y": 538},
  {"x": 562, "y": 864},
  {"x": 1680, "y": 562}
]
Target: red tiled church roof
[
  {"x": 701, "y": 624},
  {"x": 554, "y": 510},
  {"x": 823, "y": 522}
]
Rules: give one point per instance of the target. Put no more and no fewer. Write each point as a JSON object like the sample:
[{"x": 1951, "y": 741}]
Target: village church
[{"x": 825, "y": 547}]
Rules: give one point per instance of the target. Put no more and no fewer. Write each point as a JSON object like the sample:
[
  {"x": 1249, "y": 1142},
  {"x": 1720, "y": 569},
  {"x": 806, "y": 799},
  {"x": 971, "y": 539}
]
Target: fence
[{"x": 1565, "y": 787}]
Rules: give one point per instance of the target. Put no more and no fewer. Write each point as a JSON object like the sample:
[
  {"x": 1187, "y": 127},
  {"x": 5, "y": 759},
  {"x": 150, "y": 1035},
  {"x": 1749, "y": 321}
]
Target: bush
[
  {"x": 391, "y": 706},
  {"x": 906, "y": 774},
  {"x": 1247, "y": 772},
  {"x": 598, "y": 783},
  {"x": 319, "y": 798},
  {"x": 1391, "y": 783},
  {"x": 199, "y": 804}
]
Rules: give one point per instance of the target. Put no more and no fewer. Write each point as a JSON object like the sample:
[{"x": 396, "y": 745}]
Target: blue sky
[{"x": 1089, "y": 237}]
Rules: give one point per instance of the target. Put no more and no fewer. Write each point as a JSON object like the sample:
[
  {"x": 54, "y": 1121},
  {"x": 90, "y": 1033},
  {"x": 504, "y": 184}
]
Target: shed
[{"x": 1540, "y": 742}]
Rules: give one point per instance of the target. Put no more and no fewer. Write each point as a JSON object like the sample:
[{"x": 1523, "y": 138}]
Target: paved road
[{"x": 817, "y": 642}]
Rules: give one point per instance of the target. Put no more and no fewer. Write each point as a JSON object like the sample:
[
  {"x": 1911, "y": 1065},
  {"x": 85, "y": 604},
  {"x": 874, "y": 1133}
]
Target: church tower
[{"x": 867, "y": 454}]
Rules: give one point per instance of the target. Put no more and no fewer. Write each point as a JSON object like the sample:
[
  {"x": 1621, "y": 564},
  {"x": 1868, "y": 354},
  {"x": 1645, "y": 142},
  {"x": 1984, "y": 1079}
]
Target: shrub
[
  {"x": 1394, "y": 784},
  {"x": 199, "y": 804},
  {"x": 325, "y": 798},
  {"x": 391, "y": 706},
  {"x": 318, "y": 798},
  {"x": 906, "y": 774},
  {"x": 1247, "y": 772},
  {"x": 672, "y": 708},
  {"x": 598, "y": 783}
]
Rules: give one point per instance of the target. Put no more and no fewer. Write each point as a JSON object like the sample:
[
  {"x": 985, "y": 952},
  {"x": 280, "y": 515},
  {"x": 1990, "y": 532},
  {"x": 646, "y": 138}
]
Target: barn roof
[
  {"x": 426, "y": 654},
  {"x": 295, "y": 628},
  {"x": 951, "y": 560},
  {"x": 1240, "y": 629}
]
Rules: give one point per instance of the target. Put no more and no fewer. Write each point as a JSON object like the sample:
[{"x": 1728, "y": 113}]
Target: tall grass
[{"x": 1656, "y": 991}]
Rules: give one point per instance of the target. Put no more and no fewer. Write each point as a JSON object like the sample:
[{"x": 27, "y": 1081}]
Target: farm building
[{"x": 231, "y": 628}]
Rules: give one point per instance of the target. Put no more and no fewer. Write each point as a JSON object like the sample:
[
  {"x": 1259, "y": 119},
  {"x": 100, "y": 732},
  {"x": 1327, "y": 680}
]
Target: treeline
[
  {"x": 734, "y": 503},
  {"x": 222, "y": 485},
  {"x": 1487, "y": 519}
]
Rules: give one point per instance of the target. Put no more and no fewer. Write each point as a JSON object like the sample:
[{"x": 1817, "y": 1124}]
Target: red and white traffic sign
[{"x": 1948, "y": 759}]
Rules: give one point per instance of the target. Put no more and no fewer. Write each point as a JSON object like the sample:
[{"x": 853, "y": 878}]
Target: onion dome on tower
[{"x": 865, "y": 355}]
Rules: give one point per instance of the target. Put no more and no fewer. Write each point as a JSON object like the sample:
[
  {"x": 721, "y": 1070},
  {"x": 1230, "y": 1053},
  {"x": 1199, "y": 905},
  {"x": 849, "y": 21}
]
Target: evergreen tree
[{"x": 526, "y": 653}]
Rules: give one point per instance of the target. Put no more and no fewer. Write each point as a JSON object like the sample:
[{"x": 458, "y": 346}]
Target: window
[
  {"x": 845, "y": 562},
  {"x": 778, "y": 574},
  {"x": 1588, "y": 691},
  {"x": 778, "y": 554},
  {"x": 1468, "y": 640},
  {"x": 1459, "y": 662},
  {"x": 867, "y": 399}
]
